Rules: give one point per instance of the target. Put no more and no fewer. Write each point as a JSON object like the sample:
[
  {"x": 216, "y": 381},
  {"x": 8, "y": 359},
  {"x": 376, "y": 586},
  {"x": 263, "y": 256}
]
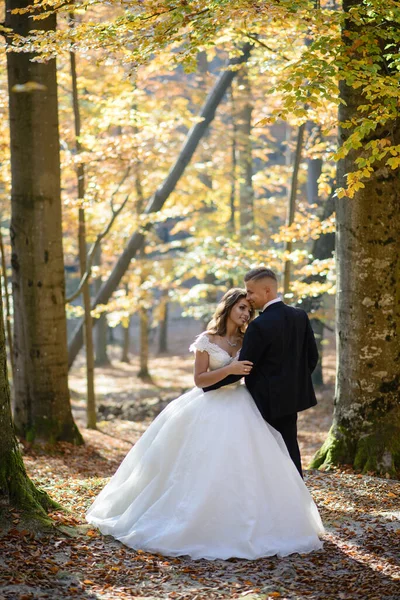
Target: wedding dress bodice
[{"x": 218, "y": 356}]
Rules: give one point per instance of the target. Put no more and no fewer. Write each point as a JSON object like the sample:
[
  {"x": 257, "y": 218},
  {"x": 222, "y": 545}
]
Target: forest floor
[{"x": 360, "y": 559}]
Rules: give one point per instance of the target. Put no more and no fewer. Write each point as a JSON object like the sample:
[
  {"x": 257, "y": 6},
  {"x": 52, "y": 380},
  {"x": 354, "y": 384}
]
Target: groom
[{"x": 281, "y": 345}]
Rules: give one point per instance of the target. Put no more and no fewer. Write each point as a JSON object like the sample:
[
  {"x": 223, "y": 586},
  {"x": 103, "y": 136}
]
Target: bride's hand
[{"x": 240, "y": 367}]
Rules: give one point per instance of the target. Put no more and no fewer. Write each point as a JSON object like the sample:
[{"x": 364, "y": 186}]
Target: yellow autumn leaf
[{"x": 28, "y": 87}]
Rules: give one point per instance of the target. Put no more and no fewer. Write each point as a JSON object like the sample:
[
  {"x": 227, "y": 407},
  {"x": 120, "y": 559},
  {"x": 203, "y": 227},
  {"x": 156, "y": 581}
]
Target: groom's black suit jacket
[{"x": 281, "y": 344}]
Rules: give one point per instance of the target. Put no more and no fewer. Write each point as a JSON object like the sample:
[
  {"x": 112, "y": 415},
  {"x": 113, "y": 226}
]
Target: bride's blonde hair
[{"x": 217, "y": 325}]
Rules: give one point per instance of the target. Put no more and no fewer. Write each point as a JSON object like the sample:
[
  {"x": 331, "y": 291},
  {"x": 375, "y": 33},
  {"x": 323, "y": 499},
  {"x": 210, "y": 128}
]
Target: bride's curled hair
[{"x": 217, "y": 325}]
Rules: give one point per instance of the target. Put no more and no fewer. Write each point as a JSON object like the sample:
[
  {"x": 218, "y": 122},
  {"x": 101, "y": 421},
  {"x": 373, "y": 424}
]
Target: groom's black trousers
[{"x": 287, "y": 427}]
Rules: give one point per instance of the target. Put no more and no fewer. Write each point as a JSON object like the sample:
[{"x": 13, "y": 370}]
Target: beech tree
[
  {"x": 42, "y": 406},
  {"x": 244, "y": 153},
  {"x": 366, "y": 425},
  {"x": 16, "y": 489}
]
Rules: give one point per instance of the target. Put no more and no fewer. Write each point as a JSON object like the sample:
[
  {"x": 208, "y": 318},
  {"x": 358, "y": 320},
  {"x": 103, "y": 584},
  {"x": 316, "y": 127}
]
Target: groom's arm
[{"x": 254, "y": 344}]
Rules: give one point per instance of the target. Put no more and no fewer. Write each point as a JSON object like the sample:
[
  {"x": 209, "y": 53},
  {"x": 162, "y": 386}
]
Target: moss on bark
[
  {"x": 334, "y": 451},
  {"x": 17, "y": 491},
  {"x": 52, "y": 431},
  {"x": 377, "y": 451}
]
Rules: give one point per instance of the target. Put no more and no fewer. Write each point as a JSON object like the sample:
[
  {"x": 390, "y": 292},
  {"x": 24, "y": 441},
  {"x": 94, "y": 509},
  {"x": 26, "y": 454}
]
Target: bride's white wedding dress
[{"x": 209, "y": 479}]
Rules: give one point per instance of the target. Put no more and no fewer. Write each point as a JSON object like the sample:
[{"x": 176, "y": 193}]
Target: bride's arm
[{"x": 203, "y": 377}]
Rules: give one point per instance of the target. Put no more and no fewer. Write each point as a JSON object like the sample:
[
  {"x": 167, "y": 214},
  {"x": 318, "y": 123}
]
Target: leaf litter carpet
[{"x": 360, "y": 559}]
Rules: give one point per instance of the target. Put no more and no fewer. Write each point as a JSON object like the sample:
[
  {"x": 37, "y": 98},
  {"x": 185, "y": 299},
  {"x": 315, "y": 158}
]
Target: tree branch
[
  {"x": 256, "y": 39},
  {"x": 99, "y": 238},
  {"x": 158, "y": 199}
]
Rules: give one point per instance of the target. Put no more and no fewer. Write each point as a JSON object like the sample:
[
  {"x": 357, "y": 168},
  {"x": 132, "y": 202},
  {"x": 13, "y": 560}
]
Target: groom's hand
[
  {"x": 254, "y": 344},
  {"x": 237, "y": 370}
]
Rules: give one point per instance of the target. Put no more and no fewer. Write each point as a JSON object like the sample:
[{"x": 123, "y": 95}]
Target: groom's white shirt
[{"x": 271, "y": 302}]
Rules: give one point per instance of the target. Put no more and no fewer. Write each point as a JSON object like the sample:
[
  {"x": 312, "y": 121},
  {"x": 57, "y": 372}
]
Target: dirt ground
[{"x": 360, "y": 559}]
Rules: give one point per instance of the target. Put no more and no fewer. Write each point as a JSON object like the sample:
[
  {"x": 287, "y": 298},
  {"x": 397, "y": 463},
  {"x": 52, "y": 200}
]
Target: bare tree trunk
[
  {"x": 144, "y": 343},
  {"x": 157, "y": 201},
  {"x": 143, "y": 312},
  {"x": 102, "y": 358},
  {"x": 126, "y": 344},
  {"x": 91, "y": 400},
  {"x": 244, "y": 152},
  {"x": 366, "y": 426},
  {"x": 232, "y": 199},
  {"x": 323, "y": 248},
  {"x": 126, "y": 336},
  {"x": 204, "y": 150},
  {"x": 292, "y": 205},
  {"x": 16, "y": 489},
  {"x": 7, "y": 302},
  {"x": 163, "y": 327},
  {"x": 42, "y": 406}
]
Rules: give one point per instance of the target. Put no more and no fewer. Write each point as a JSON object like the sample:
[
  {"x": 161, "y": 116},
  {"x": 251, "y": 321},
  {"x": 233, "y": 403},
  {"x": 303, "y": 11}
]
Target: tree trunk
[
  {"x": 7, "y": 302},
  {"x": 244, "y": 152},
  {"x": 232, "y": 197},
  {"x": 292, "y": 206},
  {"x": 163, "y": 327},
  {"x": 16, "y": 489},
  {"x": 80, "y": 172},
  {"x": 102, "y": 358},
  {"x": 158, "y": 200},
  {"x": 204, "y": 151},
  {"x": 91, "y": 398},
  {"x": 42, "y": 407},
  {"x": 366, "y": 426},
  {"x": 144, "y": 343},
  {"x": 323, "y": 248},
  {"x": 126, "y": 343}
]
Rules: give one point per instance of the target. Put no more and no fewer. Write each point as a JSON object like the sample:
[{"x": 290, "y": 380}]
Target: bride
[{"x": 210, "y": 478}]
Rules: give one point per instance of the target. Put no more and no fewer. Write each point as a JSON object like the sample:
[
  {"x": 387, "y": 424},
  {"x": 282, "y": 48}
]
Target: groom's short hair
[{"x": 260, "y": 273}]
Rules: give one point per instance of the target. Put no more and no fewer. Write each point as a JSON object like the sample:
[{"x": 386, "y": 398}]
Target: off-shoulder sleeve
[{"x": 202, "y": 343}]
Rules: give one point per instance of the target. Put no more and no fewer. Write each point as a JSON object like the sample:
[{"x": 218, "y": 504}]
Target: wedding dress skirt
[{"x": 209, "y": 479}]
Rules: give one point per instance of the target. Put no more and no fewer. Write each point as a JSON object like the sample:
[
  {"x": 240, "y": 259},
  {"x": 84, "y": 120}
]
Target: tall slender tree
[
  {"x": 80, "y": 174},
  {"x": 244, "y": 151},
  {"x": 42, "y": 406},
  {"x": 292, "y": 205},
  {"x": 102, "y": 357}
]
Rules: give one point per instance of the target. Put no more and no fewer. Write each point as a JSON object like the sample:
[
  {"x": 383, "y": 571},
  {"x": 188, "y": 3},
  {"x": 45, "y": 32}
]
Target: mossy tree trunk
[
  {"x": 42, "y": 406},
  {"x": 16, "y": 489},
  {"x": 366, "y": 426}
]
